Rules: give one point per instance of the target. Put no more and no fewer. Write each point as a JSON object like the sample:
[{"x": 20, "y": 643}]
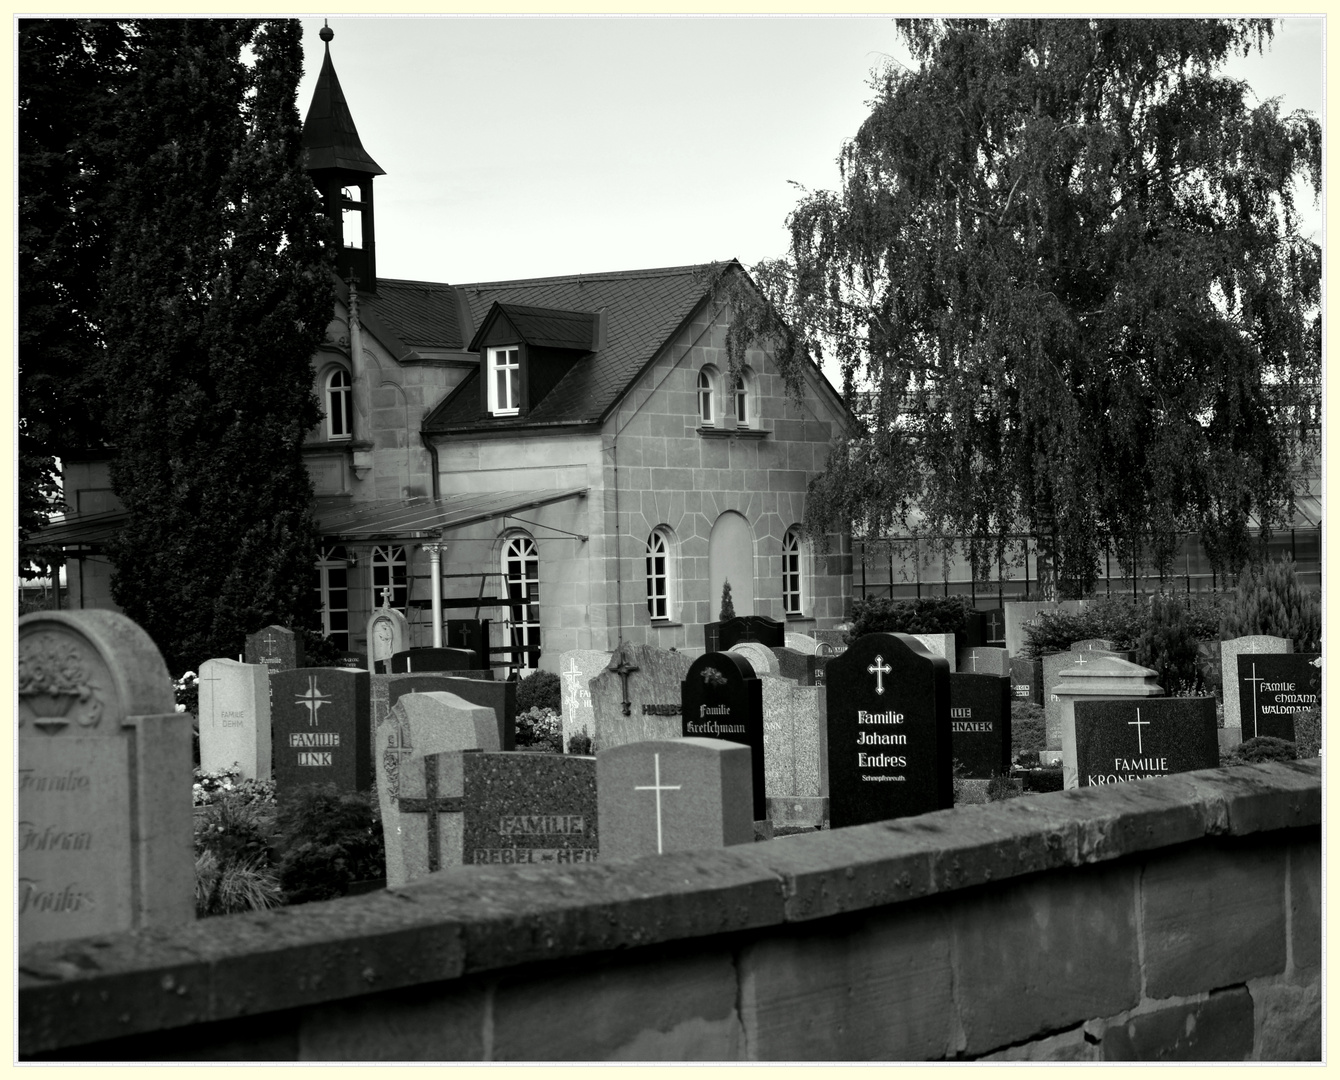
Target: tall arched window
[
  {"x": 793, "y": 578},
  {"x": 743, "y": 409},
  {"x": 521, "y": 573},
  {"x": 706, "y": 385},
  {"x": 390, "y": 570},
  {"x": 660, "y": 574},
  {"x": 339, "y": 405},
  {"x": 332, "y": 594}
]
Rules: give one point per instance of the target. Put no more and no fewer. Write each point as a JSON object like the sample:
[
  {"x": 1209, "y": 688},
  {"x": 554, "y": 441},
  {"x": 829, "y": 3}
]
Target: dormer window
[{"x": 504, "y": 380}]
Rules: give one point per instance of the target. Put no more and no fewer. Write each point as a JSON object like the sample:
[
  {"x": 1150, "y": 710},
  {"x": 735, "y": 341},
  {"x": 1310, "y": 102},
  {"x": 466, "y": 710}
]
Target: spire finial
[{"x": 326, "y": 33}]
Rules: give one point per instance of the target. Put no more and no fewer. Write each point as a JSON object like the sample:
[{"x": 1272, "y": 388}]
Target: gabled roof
[
  {"x": 329, "y": 138},
  {"x": 555, "y": 328},
  {"x": 644, "y": 309}
]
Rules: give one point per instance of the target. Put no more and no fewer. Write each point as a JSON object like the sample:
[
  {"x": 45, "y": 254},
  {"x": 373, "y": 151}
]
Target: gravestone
[
  {"x": 940, "y": 645},
  {"x": 525, "y": 807},
  {"x": 652, "y": 678},
  {"x": 793, "y": 771},
  {"x": 1094, "y": 645},
  {"x": 979, "y": 723},
  {"x": 1229, "y": 651},
  {"x": 500, "y": 697},
  {"x": 1026, "y": 679},
  {"x": 723, "y": 699},
  {"x": 322, "y": 729},
  {"x": 1274, "y": 686},
  {"x": 668, "y": 795},
  {"x": 984, "y": 660},
  {"x": 472, "y": 634},
  {"x": 277, "y": 647},
  {"x": 420, "y": 779},
  {"x": 889, "y": 751},
  {"x": 985, "y": 627},
  {"x": 795, "y": 665},
  {"x": 352, "y": 659},
  {"x": 801, "y": 643},
  {"x": 1020, "y": 613},
  {"x": 576, "y": 669},
  {"x": 761, "y": 658},
  {"x": 835, "y": 639},
  {"x": 1121, "y": 740},
  {"x": 103, "y": 778},
  {"x": 235, "y": 718},
  {"x": 720, "y": 636},
  {"x": 1105, "y": 677},
  {"x": 388, "y": 634},
  {"x": 414, "y": 660},
  {"x": 1053, "y": 664}
]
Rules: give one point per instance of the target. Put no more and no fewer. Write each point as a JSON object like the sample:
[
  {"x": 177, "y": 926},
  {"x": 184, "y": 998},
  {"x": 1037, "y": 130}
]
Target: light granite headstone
[
  {"x": 795, "y": 665},
  {"x": 420, "y": 779},
  {"x": 235, "y": 717},
  {"x": 103, "y": 781},
  {"x": 1104, "y": 677},
  {"x": 1104, "y": 645},
  {"x": 1117, "y": 740},
  {"x": 388, "y": 634},
  {"x": 802, "y": 643},
  {"x": 576, "y": 669},
  {"x": 1229, "y": 651},
  {"x": 530, "y": 807},
  {"x": 940, "y": 645},
  {"x": 983, "y": 660},
  {"x": 1019, "y": 613},
  {"x": 651, "y": 709},
  {"x": 668, "y": 795},
  {"x": 793, "y": 742},
  {"x": 761, "y": 658},
  {"x": 277, "y": 647},
  {"x": 322, "y": 729}
]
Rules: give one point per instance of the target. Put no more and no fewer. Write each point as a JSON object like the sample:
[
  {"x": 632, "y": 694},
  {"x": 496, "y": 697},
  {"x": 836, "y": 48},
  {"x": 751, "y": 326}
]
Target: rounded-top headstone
[{"x": 761, "y": 659}]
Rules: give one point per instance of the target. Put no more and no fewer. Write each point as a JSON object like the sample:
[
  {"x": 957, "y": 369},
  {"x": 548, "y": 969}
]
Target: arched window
[
  {"x": 660, "y": 574},
  {"x": 521, "y": 573},
  {"x": 706, "y": 385},
  {"x": 332, "y": 594},
  {"x": 390, "y": 570},
  {"x": 339, "y": 405},
  {"x": 793, "y": 577},
  {"x": 741, "y": 395}
]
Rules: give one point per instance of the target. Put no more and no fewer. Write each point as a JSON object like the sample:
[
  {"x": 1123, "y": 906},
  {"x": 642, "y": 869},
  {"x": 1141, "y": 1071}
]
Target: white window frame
[
  {"x": 504, "y": 358},
  {"x": 660, "y": 579},
  {"x": 339, "y": 406},
  {"x": 706, "y": 387},
  {"x": 390, "y": 567},
  {"x": 740, "y": 399},
  {"x": 333, "y": 599},
  {"x": 793, "y": 572},
  {"x": 519, "y": 555}
]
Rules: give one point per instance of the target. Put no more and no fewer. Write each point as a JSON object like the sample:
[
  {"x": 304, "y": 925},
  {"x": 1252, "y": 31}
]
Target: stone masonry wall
[{"x": 1170, "y": 919}]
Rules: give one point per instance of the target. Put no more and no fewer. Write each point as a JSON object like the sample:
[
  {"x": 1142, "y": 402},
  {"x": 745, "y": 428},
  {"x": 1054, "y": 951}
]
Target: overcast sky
[{"x": 527, "y": 146}]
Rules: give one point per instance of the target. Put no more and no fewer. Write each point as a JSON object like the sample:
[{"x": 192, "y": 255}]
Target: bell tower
[{"x": 343, "y": 172}]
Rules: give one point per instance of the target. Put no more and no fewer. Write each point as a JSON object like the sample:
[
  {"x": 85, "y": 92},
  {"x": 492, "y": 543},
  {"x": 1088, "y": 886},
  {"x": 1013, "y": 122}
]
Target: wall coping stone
[{"x": 473, "y": 919}]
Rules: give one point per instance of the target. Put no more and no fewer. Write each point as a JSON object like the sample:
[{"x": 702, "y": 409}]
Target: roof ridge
[{"x": 604, "y": 275}]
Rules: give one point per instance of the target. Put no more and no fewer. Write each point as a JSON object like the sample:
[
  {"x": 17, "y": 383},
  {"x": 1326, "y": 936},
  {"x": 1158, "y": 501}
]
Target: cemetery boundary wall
[{"x": 1177, "y": 918}]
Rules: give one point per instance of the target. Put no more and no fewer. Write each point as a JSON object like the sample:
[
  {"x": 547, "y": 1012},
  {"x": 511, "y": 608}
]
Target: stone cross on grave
[
  {"x": 879, "y": 669},
  {"x": 213, "y": 698},
  {"x": 1137, "y": 723},
  {"x": 386, "y": 598},
  {"x": 994, "y": 623},
  {"x": 658, "y": 787},
  {"x": 432, "y": 804},
  {"x": 313, "y": 699},
  {"x": 1081, "y": 661},
  {"x": 1256, "y": 681},
  {"x": 622, "y": 666},
  {"x": 465, "y": 635}
]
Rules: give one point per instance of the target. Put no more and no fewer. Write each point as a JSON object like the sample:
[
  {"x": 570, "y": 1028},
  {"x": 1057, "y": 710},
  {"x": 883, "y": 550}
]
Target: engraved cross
[
  {"x": 1256, "y": 684},
  {"x": 1137, "y": 723},
  {"x": 658, "y": 787},
  {"x": 432, "y": 804},
  {"x": 879, "y": 669},
  {"x": 313, "y": 699}
]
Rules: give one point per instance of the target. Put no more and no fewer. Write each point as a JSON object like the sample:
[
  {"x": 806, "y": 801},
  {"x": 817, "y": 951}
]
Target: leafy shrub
[
  {"x": 1261, "y": 748},
  {"x": 1168, "y": 645},
  {"x": 319, "y": 651},
  {"x": 1000, "y": 788},
  {"x": 581, "y": 743},
  {"x": 539, "y": 690},
  {"x": 1028, "y": 728},
  {"x": 928, "y": 615},
  {"x": 222, "y": 889},
  {"x": 539, "y": 729},
  {"x": 1269, "y": 600},
  {"x": 1120, "y": 620},
  {"x": 233, "y": 837},
  {"x": 328, "y": 839}
]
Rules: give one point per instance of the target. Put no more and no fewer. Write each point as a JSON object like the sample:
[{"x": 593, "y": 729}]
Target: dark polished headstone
[
  {"x": 277, "y": 647},
  {"x": 720, "y": 636},
  {"x": 979, "y": 722},
  {"x": 1274, "y": 686},
  {"x": 1026, "y": 679},
  {"x": 722, "y": 698},
  {"x": 498, "y": 696},
  {"x": 889, "y": 749},
  {"x": 525, "y": 807},
  {"x": 795, "y": 665},
  {"x": 322, "y": 723},
  {"x": 352, "y": 659},
  {"x": 1123, "y": 739},
  {"x": 470, "y": 634},
  {"x": 414, "y": 660}
]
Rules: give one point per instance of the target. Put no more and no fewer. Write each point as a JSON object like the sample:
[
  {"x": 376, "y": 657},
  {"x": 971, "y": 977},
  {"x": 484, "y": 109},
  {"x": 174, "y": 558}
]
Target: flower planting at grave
[
  {"x": 234, "y": 858},
  {"x": 539, "y": 729},
  {"x": 328, "y": 840},
  {"x": 187, "y": 692}
]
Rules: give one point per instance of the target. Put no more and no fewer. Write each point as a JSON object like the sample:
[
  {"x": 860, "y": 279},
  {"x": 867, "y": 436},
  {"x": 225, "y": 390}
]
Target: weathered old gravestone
[
  {"x": 472, "y": 634},
  {"x": 498, "y": 696},
  {"x": 1053, "y": 664},
  {"x": 1026, "y": 679},
  {"x": 979, "y": 722},
  {"x": 889, "y": 752},
  {"x": 1105, "y": 677},
  {"x": 793, "y": 771},
  {"x": 720, "y": 636},
  {"x": 939, "y": 645},
  {"x": 761, "y": 658},
  {"x": 802, "y": 643},
  {"x": 436, "y": 660},
  {"x": 984, "y": 660},
  {"x": 1094, "y": 645},
  {"x": 1229, "y": 651},
  {"x": 1121, "y": 740},
  {"x": 420, "y": 779},
  {"x": 322, "y": 729},
  {"x": 524, "y": 807},
  {"x": 277, "y": 647},
  {"x": 669, "y": 795},
  {"x": 235, "y": 717},
  {"x": 576, "y": 669},
  {"x": 104, "y": 781},
  {"x": 1274, "y": 686},
  {"x": 795, "y": 665},
  {"x": 723, "y": 699},
  {"x": 388, "y": 634},
  {"x": 636, "y": 697}
]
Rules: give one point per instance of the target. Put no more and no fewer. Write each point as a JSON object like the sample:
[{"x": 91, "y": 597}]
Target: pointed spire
[{"x": 329, "y": 138}]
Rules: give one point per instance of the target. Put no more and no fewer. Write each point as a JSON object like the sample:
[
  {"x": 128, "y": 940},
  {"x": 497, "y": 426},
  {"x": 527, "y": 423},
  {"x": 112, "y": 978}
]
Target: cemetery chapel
[{"x": 569, "y": 457}]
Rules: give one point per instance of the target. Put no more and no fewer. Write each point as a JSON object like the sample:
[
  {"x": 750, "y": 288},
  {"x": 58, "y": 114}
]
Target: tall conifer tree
[{"x": 217, "y": 297}]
